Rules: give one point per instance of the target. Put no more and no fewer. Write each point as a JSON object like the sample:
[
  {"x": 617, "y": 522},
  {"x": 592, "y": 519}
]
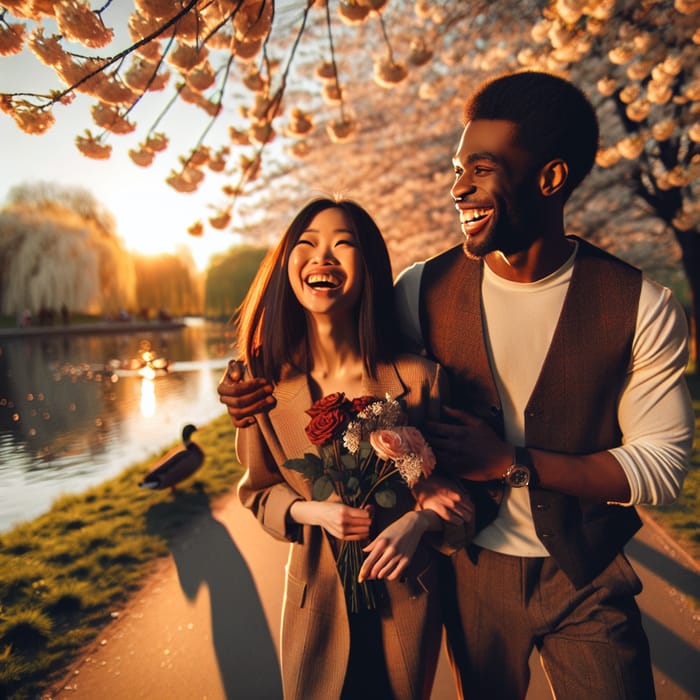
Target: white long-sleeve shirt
[{"x": 655, "y": 411}]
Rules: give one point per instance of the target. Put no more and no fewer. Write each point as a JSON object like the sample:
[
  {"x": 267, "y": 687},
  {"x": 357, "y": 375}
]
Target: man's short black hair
[{"x": 555, "y": 119}]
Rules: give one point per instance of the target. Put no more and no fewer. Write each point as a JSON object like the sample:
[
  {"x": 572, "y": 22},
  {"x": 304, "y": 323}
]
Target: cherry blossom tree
[{"x": 299, "y": 79}]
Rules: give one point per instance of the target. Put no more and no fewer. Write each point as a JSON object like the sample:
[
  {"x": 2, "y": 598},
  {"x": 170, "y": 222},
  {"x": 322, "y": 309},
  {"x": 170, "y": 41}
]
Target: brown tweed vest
[{"x": 573, "y": 406}]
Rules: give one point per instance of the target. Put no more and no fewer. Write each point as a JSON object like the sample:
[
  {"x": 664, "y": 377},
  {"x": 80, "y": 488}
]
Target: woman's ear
[{"x": 553, "y": 176}]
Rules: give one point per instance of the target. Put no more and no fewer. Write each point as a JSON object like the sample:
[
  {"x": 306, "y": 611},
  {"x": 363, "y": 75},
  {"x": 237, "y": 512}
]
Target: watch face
[{"x": 518, "y": 476}]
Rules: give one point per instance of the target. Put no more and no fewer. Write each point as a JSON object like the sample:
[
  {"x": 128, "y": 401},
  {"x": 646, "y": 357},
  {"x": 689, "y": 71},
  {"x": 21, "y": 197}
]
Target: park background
[{"x": 364, "y": 102}]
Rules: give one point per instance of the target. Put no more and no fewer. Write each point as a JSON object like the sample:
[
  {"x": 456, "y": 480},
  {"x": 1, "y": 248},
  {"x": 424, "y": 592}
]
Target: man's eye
[
  {"x": 481, "y": 170},
  {"x": 458, "y": 171}
]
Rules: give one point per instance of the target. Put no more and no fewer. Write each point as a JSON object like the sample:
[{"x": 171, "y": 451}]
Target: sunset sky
[{"x": 151, "y": 216}]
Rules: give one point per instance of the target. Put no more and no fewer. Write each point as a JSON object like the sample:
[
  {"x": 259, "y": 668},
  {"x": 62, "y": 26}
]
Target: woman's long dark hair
[{"x": 271, "y": 323}]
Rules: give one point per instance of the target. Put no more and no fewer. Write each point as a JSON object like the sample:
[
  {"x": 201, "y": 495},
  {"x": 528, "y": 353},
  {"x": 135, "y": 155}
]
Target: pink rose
[
  {"x": 415, "y": 442},
  {"x": 388, "y": 444}
]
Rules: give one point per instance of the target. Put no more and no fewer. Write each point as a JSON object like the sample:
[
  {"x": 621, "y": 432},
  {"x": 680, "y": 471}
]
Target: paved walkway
[{"x": 205, "y": 624}]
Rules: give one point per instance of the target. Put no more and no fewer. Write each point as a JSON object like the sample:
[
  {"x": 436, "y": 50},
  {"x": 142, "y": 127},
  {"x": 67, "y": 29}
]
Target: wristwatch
[{"x": 520, "y": 472}]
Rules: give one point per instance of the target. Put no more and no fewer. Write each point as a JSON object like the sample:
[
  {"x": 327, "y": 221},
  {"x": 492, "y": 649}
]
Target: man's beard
[
  {"x": 511, "y": 233},
  {"x": 479, "y": 250}
]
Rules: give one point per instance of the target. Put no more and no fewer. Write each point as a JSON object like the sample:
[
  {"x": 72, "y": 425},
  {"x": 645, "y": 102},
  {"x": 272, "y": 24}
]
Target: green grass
[{"x": 63, "y": 574}]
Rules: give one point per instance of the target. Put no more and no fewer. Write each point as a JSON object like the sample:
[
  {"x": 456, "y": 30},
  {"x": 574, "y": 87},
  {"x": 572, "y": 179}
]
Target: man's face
[{"x": 495, "y": 189}]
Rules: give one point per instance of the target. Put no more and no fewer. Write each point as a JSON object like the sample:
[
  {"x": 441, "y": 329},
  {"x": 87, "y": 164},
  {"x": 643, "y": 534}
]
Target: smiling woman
[
  {"x": 319, "y": 322},
  {"x": 325, "y": 268}
]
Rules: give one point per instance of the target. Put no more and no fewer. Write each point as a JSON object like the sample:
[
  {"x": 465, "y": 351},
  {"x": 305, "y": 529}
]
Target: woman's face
[{"x": 325, "y": 267}]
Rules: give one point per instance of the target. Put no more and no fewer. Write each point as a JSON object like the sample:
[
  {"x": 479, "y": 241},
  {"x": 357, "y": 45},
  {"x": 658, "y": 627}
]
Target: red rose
[
  {"x": 328, "y": 403},
  {"x": 325, "y": 426},
  {"x": 360, "y": 404}
]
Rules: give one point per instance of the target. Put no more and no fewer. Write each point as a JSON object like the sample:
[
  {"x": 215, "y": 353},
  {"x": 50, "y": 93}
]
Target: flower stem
[{"x": 381, "y": 479}]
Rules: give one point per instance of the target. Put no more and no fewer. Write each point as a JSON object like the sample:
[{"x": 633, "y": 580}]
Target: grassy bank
[{"x": 64, "y": 575}]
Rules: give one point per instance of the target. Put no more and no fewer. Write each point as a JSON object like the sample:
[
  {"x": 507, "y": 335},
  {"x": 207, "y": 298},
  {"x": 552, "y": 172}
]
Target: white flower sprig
[{"x": 378, "y": 415}]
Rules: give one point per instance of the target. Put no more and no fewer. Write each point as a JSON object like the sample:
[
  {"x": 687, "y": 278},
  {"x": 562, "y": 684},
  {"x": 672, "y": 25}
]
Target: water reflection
[
  {"x": 75, "y": 410},
  {"x": 148, "y": 397}
]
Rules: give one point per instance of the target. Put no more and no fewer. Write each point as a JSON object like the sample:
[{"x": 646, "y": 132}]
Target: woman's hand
[
  {"x": 391, "y": 551},
  {"x": 339, "y": 520},
  {"x": 446, "y": 498}
]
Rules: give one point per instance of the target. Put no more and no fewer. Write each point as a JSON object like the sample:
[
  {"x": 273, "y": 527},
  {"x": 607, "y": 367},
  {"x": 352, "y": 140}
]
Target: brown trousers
[{"x": 590, "y": 640}]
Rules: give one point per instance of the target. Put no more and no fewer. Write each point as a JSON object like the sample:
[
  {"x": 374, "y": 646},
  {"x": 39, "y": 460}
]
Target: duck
[{"x": 177, "y": 465}]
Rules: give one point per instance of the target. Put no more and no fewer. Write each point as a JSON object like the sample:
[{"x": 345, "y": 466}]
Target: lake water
[{"x": 76, "y": 410}]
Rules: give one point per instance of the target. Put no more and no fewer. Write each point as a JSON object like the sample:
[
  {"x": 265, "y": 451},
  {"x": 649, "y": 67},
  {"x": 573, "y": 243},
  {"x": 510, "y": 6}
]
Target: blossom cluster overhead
[{"x": 284, "y": 68}]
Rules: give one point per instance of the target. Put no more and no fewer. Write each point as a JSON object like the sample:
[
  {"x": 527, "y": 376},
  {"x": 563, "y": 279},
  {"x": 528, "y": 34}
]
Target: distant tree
[
  {"x": 58, "y": 246},
  {"x": 228, "y": 277},
  {"x": 168, "y": 282}
]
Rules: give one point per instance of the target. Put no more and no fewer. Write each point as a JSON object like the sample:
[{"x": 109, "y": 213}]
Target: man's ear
[{"x": 553, "y": 176}]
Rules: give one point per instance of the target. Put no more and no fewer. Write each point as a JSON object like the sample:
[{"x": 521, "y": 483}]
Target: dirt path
[{"x": 205, "y": 625}]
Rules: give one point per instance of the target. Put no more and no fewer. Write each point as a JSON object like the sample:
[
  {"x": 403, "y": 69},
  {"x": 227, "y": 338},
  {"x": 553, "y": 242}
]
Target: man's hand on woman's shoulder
[{"x": 244, "y": 398}]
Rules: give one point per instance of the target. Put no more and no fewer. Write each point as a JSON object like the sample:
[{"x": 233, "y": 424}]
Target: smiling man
[
  {"x": 569, "y": 405},
  {"x": 566, "y": 371}
]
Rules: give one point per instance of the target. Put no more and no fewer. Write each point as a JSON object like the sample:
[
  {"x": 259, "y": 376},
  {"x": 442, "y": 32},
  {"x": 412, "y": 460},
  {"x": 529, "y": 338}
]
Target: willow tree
[{"x": 58, "y": 246}]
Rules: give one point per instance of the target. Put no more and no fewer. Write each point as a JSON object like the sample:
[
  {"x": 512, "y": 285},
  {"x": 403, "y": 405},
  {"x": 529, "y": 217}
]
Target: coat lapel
[
  {"x": 289, "y": 418},
  {"x": 388, "y": 381}
]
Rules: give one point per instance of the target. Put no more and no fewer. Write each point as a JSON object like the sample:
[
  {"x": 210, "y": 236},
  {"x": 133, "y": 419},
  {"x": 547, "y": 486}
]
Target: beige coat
[{"x": 315, "y": 640}]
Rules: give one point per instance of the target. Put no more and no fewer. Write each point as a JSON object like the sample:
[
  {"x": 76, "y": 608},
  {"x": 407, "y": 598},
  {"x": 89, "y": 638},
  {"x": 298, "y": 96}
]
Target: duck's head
[{"x": 187, "y": 433}]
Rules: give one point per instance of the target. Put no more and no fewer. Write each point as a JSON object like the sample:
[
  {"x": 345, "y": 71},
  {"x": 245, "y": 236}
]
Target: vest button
[
  {"x": 542, "y": 506},
  {"x": 546, "y": 535}
]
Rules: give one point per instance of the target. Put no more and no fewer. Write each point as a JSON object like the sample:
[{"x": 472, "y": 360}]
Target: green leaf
[
  {"x": 298, "y": 464},
  {"x": 348, "y": 461},
  {"x": 385, "y": 498},
  {"x": 309, "y": 465},
  {"x": 336, "y": 474},
  {"x": 313, "y": 459},
  {"x": 322, "y": 488},
  {"x": 352, "y": 486}
]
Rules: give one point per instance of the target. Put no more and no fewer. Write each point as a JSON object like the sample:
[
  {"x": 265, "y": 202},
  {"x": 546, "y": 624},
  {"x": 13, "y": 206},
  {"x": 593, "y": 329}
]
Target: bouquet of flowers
[{"x": 366, "y": 452}]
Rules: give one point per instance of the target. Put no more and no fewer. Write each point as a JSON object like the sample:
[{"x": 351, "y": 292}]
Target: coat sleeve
[
  {"x": 263, "y": 489},
  {"x": 453, "y": 537}
]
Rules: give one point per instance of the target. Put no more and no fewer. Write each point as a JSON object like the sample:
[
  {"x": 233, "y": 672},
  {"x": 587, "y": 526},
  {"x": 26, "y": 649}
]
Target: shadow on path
[
  {"x": 673, "y": 656},
  {"x": 205, "y": 554},
  {"x": 680, "y": 577},
  {"x": 678, "y": 658}
]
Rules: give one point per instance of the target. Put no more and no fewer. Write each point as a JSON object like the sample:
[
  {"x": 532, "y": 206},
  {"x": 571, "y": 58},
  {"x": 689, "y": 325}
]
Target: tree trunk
[{"x": 689, "y": 242}]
